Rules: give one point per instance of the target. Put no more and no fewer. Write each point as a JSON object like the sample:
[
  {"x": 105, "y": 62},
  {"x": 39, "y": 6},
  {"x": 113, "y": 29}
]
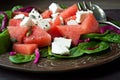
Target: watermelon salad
[{"x": 59, "y": 32}]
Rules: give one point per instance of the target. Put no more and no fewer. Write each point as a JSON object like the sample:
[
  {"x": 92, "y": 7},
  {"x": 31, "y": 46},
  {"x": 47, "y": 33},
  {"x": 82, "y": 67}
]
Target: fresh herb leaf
[
  {"x": 4, "y": 41},
  {"x": 63, "y": 6},
  {"x": 44, "y": 52},
  {"x": 16, "y": 7},
  {"x": 19, "y": 58},
  {"x": 74, "y": 53},
  {"x": 98, "y": 46},
  {"x": 9, "y": 15},
  {"x": 108, "y": 37}
]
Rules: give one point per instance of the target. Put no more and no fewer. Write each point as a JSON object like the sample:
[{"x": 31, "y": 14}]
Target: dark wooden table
[{"x": 109, "y": 71}]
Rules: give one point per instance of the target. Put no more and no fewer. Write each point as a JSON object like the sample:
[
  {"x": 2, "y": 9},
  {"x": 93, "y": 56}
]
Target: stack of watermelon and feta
[{"x": 55, "y": 27}]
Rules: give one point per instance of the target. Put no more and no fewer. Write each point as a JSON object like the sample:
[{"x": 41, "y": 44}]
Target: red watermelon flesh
[
  {"x": 38, "y": 36},
  {"x": 15, "y": 22},
  {"x": 70, "y": 11},
  {"x": 71, "y": 32},
  {"x": 53, "y": 30},
  {"x": 89, "y": 24},
  {"x": 46, "y": 14},
  {"x": 70, "y": 18},
  {"x": 26, "y": 49},
  {"x": 17, "y": 33}
]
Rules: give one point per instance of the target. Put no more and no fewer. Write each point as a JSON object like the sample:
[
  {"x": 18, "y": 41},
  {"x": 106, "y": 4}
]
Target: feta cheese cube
[
  {"x": 80, "y": 15},
  {"x": 48, "y": 19},
  {"x": 65, "y": 42},
  {"x": 55, "y": 15},
  {"x": 55, "y": 8},
  {"x": 34, "y": 14},
  {"x": 61, "y": 46},
  {"x": 57, "y": 48},
  {"x": 19, "y": 16},
  {"x": 27, "y": 22},
  {"x": 72, "y": 22},
  {"x": 44, "y": 24}
]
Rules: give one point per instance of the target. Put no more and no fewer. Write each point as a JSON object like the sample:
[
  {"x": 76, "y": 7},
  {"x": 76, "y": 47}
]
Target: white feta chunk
[
  {"x": 80, "y": 15},
  {"x": 72, "y": 22},
  {"x": 55, "y": 8},
  {"x": 19, "y": 16},
  {"x": 44, "y": 24},
  {"x": 34, "y": 14},
  {"x": 57, "y": 48},
  {"x": 27, "y": 22},
  {"x": 65, "y": 42},
  {"x": 61, "y": 46},
  {"x": 61, "y": 20},
  {"x": 55, "y": 15},
  {"x": 48, "y": 19}
]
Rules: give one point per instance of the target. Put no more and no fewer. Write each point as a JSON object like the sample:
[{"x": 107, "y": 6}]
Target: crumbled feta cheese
[
  {"x": 19, "y": 16},
  {"x": 48, "y": 19},
  {"x": 61, "y": 20},
  {"x": 55, "y": 15},
  {"x": 55, "y": 8},
  {"x": 44, "y": 24},
  {"x": 72, "y": 22},
  {"x": 27, "y": 22},
  {"x": 34, "y": 14},
  {"x": 79, "y": 15},
  {"x": 61, "y": 46},
  {"x": 57, "y": 48},
  {"x": 65, "y": 42}
]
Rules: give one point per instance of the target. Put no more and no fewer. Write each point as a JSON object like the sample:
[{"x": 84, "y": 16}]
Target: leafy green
[
  {"x": 81, "y": 49},
  {"x": 44, "y": 52},
  {"x": 95, "y": 47},
  {"x": 74, "y": 53},
  {"x": 9, "y": 14},
  {"x": 4, "y": 41},
  {"x": 19, "y": 58},
  {"x": 16, "y": 7},
  {"x": 63, "y": 6},
  {"x": 109, "y": 37}
]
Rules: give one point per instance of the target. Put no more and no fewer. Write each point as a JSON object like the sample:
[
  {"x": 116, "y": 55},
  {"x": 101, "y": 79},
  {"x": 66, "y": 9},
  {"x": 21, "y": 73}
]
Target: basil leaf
[
  {"x": 19, "y": 58},
  {"x": 96, "y": 47}
]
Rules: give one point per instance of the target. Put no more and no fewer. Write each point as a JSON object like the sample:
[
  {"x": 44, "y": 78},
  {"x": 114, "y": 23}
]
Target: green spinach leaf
[
  {"x": 63, "y": 6},
  {"x": 44, "y": 52},
  {"x": 108, "y": 37},
  {"x": 4, "y": 41},
  {"x": 19, "y": 58},
  {"x": 74, "y": 53},
  {"x": 16, "y": 7},
  {"x": 9, "y": 14},
  {"x": 93, "y": 47}
]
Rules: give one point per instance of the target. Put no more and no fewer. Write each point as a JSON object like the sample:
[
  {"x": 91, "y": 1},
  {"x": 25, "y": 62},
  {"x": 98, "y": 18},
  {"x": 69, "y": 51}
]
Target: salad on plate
[{"x": 59, "y": 32}]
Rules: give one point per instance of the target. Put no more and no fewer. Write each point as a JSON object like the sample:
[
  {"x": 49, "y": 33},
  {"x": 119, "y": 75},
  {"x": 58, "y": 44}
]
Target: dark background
[{"x": 109, "y": 71}]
